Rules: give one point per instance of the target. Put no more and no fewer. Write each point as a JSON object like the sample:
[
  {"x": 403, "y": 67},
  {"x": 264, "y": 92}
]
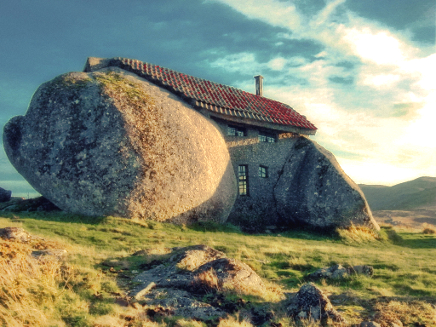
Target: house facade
[{"x": 259, "y": 132}]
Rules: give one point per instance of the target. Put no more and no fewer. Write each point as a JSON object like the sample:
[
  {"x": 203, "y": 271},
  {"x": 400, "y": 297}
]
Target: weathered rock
[
  {"x": 311, "y": 303},
  {"x": 338, "y": 272},
  {"x": 15, "y": 233},
  {"x": 28, "y": 205},
  {"x": 5, "y": 195},
  {"x": 230, "y": 274},
  {"x": 200, "y": 268},
  {"x": 314, "y": 190},
  {"x": 111, "y": 143},
  {"x": 182, "y": 303},
  {"x": 179, "y": 283}
]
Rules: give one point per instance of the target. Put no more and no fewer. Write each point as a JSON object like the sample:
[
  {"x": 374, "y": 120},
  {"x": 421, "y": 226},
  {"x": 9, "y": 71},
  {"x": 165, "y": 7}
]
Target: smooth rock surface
[
  {"x": 111, "y": 143},
  {"x": 314, "y": 190}
]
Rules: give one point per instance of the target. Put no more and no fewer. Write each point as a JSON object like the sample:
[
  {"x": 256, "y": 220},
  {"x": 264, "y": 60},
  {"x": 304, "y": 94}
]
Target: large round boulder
[
  {"x": 111, "y": 143},
  {"x": 313, "y": 190}
]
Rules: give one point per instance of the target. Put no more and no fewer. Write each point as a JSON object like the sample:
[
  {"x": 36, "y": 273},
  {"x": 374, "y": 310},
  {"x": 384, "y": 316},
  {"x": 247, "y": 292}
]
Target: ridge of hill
[{"x": 418, "y": 193}]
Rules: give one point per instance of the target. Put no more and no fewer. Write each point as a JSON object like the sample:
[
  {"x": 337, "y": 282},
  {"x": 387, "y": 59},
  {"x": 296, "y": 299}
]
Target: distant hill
[{"x": 419, "y": 193}]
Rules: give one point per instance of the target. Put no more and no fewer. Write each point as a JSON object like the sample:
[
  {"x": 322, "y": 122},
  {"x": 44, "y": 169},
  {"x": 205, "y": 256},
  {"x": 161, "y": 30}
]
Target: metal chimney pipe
[{"x": 259, "y": 84}]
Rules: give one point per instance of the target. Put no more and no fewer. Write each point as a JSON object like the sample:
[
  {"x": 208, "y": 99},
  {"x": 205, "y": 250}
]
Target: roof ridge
[{"x": 216, "y": 97}]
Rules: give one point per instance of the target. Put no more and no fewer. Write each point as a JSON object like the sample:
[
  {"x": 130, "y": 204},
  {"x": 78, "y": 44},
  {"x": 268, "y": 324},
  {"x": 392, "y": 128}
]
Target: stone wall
[{"x": 305, "y": 184}]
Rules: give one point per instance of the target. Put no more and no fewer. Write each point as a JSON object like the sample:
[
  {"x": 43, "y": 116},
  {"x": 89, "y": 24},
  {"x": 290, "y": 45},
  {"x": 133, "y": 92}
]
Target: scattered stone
[
  {"x": 57, "y": 253},
  {"x": 395, "y": 323},
  {"x": 144, "y": 291},
  {"x": 338, "y": 272},
  {"x": 311, "y": 303},
  {"x": 314, "y": 190},
  {"x": 15, "y": 233},
  {"x": 5, "y": 195},
  {"x": 112, "y": 143},
  {"x": 370, "y": 324}
]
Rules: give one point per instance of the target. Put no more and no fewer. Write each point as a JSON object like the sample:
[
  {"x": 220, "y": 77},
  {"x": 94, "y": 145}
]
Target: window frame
[
  {"x": 263, "y": 171},
  {"x": 238, "y": 131},
  {"x": 243, "y": 180},
  {"x": 265, "y": 137}
]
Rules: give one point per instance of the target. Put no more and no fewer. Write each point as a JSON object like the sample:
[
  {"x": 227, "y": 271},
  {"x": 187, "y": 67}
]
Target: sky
[{"x": 364, "y": 72}]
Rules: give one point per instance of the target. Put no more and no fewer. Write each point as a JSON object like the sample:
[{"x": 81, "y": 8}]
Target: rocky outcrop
[
  {"x": 313, "y": 190},
  {"x": 310, "y": 303},
  {"x": 179, "y": 282},
  {"x": 5, "y": 195},
  {"x": 201, "y": 269},
  {"x": 111, "y": 143}
]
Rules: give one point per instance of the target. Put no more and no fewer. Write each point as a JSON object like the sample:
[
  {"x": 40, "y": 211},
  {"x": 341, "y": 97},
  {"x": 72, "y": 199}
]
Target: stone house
[
  {"x": 257, "y": 130},
  {"x": 282, "y": 177}
]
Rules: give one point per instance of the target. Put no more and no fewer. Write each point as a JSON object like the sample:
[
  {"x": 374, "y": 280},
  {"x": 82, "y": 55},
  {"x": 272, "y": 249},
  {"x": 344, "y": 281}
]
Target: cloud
[
  {"x": 370, "y": 90},
  {"x": 277, "y": 63},
  {"x": 378, "y": 47}
]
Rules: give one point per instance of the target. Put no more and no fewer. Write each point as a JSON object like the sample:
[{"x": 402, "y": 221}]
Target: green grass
[{"x": 106, "y": 251}]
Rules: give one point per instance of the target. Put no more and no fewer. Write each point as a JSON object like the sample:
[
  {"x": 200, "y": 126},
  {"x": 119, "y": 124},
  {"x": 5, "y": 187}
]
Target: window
[
  {"x": 263, "y": 172},
  {"x": 243, "y": 179},
  {"x": 266, "y": 137},
  {"x": 236, "y": 131}
]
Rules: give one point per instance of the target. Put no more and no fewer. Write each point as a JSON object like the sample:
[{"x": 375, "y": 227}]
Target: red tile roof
[{"x": 216, "y": 97}]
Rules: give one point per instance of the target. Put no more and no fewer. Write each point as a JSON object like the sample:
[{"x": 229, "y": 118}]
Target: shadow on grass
[
  {"x": 424, "y": 242},
  {"x": 57, "y": 216}
]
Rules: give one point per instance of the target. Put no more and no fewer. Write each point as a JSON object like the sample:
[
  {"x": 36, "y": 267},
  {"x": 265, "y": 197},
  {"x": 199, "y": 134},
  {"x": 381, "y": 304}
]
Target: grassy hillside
[
  {"x": 84, "y": 288},
  {"x": 414, "y": 194}
]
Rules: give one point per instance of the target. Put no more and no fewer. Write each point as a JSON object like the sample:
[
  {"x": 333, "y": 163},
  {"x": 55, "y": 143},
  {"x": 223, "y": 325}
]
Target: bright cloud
[
  {"x": 382, "y": 80},
  {"x": 380, "y": 47}
]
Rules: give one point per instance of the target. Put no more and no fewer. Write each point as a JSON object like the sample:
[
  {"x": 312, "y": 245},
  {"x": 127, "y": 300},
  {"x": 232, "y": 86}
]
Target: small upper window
[
  {"x": 263, "y": 172},
  {"x": 266, "y": 137},
  {"x": 236, "y": 131}
]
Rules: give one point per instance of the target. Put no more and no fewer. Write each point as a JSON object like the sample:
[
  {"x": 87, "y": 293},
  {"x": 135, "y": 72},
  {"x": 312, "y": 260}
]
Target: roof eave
[{"x": 257, "y": 123}]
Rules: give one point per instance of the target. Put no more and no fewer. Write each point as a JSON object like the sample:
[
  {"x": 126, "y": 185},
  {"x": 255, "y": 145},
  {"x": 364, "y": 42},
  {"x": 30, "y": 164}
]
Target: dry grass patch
[
  {"x": 407, "y": 312},
  {"x": 234, "y": 322},
  {"x": 428, "y": 229},
  {"x": 29, "y": 287},
  {"x": 207, "y": 281},
  {"x": 357, "y": 234}
]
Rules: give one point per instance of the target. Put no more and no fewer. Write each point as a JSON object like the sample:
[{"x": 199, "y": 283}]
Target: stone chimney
[{"x": 259, "y": 85}]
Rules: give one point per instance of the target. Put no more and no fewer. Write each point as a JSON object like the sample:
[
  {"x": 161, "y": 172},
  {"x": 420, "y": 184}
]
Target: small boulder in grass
[
  {"x": 339, "y": 272},
  {"x": 15, "y": 233},
  {"x": 310, "y": 303}
]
